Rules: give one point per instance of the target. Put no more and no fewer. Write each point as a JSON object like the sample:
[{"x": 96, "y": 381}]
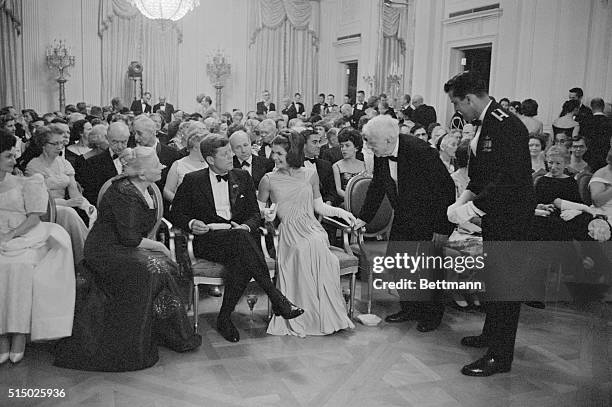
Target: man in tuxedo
[
  {"x": 583, "y": 112},
  {"x": 289, "y": 109},
  {"x": 331, "y": 151},
  {"x": 312, "y": 149},
  {"x": 98, "y": 169},
  {"x": 267, "y": 130},
  {"x": 265, "y": 105},
  {"x": 597, "y": 132},
  {"x": 165, "y": 109},
  {"x": 359, "y": 108},
  {"x": 299, "y": 106},
  {"x": 218, "y": 205},
  {"x": 144, "y": 131},
  {"x": 407, "y": 108},
  {"x": 143, "y": 105},
  {"x": 331, "y": 105},
  {"x": 500, "y": 191},
  {"x": 256, "y": 166},
  {"x": 423, "y": 114},
  {"x": 416, "y": 182},
  {"x": 318, "y": 109}
]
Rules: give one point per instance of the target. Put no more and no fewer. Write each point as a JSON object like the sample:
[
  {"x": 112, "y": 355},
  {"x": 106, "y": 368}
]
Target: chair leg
[
  {"x": 370, "y": 290},
  {"x": 196, "y": 300},
  {"x": 352, "y": 300}
]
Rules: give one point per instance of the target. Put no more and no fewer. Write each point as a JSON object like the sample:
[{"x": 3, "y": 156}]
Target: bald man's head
[
  {"x": 417, "y": 100},
  {"x": 241, "y": 145},
  {"x": 144, "y": 131},
  {"x": 117, "y": 136}
]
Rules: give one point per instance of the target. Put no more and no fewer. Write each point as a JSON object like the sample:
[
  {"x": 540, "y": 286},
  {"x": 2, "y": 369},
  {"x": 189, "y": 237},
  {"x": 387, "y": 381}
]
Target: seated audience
[
  {"x": 133, "y": 303},
  {"x": 577, "y": 164},
  {"x": 536, "y": 151},
  {"x": 36, "y": 266},
  {"x": 345, "y": 169},
  {"x": 78, "y": 144},
  {"x": 58, "y": 174}
]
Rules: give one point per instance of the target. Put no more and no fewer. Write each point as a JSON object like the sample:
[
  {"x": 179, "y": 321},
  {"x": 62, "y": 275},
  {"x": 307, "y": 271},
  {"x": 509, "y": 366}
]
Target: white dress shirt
[
  {"x": 474, "y": 143},
  {"x": 308, "y": 164},
  {"x": 249, "y": 167},
  {"x": 116, "y": 162},
  {"x": 220, "y": 196}
]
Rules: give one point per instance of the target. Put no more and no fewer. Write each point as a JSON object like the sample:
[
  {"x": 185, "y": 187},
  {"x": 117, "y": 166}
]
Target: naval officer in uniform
[{"x": 500, "y": 191}]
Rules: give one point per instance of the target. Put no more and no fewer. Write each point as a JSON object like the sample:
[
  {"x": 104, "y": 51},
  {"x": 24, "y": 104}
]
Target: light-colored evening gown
[{"x": 308, "y": 272}]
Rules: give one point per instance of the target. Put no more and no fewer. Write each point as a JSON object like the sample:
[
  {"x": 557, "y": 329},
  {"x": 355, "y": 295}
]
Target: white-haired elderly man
[
  {"x": 267, "y": 130},
  {"x": 410, "y": 174},
  {"x": 244, "y": 158}
]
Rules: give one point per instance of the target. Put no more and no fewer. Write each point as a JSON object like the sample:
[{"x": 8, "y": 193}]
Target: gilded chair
[
  {"x": 583, "y": 187},
  {"x": 372, "y": 240}
]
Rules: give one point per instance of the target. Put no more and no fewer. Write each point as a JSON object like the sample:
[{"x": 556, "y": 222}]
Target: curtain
[
  {"x": 11, "y": 54},
  {"x": 283, "y": 49},
  {"x": 397, "y": 49},
  {"x": 129, "y": 36}
]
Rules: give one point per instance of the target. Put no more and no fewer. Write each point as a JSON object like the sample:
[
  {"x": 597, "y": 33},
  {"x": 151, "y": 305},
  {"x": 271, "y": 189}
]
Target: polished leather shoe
[
  {"x": 401, "y": 316},
  {"x": 227, "y": 329},
  {"x": 215, "y": 291},
  {"x": 287, "y": 310},
  {"x": 486, "y": 366},
  {"x": 478, "y": 341},
  {"x": 427, "y": 326}
]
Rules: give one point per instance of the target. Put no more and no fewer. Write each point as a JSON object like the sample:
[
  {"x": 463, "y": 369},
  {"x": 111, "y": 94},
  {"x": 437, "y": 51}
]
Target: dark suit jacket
[
  {"x": 260, "y": 166},
  {"x": 167, "y": 155},
  {"x": 194, "y": 200},
  {"x": 331, "y": 154},
  {"x": 318, "y": 109},
  {"x": 167, "y": 113},
  {"x": 299, "y": 107},
  {"x": 327, "y": 184},
  {"x": 357, "y": 113},
  {"x": 408, "y": 111},
  {"x": 423, "y": 193},
  {"x": 597, "y": 132},
  {"x": 290, "y": 111},
  {"x": 136, "y": 107},
  {"x": 584, "y": 113},
  {"x": 93, "y": 173},
  {"x": 425, "y": 115},
  {"x": 262, "y": 109},
  {"x": 500, "y": 175}
]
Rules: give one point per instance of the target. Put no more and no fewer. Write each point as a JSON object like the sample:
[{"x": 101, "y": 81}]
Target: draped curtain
[
  {"x": 129, "y": 36},
  {"x": 283, "y": 49},
  {"x": 396, "y": 54},
  {"x": 11, "y": 58}
]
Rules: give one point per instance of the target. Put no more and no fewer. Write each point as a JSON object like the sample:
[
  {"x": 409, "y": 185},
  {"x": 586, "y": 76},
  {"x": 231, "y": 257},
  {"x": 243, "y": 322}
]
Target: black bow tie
[
  {"x": 245, "y": 164},
  {"x": 391, "y": 158},
  {"x": 312, "y": 160},
  {"x": 222, "y": 177},
  {"x": 115, "y": 156},
  {"x": 477, "y": 122}
]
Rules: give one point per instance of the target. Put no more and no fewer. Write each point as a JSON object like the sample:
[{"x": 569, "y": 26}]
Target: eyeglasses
[
  {"x": 578, "y": 146},
  {"x": 56, "y": 144}
]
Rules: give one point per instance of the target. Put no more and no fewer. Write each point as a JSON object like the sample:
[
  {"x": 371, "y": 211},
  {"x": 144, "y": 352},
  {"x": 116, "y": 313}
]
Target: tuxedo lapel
[
  {"x": 232, "y": 184},
  {"x": 207, "y": 189}
]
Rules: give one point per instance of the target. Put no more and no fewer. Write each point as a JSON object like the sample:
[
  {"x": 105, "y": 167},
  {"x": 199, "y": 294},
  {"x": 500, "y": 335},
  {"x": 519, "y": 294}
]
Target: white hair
[{"x": 381, "y": 126}]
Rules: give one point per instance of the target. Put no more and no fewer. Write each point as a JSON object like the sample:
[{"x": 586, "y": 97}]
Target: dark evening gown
[{"x": 128, "y": 300}]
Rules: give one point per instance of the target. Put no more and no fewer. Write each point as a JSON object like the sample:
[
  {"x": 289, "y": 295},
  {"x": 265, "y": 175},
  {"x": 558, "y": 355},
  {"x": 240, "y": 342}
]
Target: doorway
[
  {"x": 478, "y": 59},
  {"x": 351, "y": 80}
]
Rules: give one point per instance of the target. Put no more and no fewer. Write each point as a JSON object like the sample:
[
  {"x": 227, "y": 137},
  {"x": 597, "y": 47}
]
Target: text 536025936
[{"x": 36, "y": 393}]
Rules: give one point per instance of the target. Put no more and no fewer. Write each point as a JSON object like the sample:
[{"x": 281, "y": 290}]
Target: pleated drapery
[
  {"x": 129, "y": 36},
  {"x": 397, "y": 50},
  {"x": 284, "y": 49},
  {"x": 11, "y": 56}
]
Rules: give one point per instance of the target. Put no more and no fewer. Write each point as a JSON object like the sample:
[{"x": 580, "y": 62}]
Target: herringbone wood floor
[{"x": 563, "y": 358}]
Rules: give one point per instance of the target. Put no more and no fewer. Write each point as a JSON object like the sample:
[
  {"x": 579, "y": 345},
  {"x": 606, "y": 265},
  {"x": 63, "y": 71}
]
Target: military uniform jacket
[{"x": 500, "y": 171}]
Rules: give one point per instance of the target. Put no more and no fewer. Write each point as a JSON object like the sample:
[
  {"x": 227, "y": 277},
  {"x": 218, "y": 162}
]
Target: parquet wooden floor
[{"x": 563, "y": 358}]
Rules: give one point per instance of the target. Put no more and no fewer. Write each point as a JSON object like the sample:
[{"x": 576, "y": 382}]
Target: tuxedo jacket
[
  {"x": 167, "y": 156},
  {"x": 327, "y": 184},
  {"x": 194, "y": 200},
  {"x": 167, "y": 113},
  {"x": 584, "y": 113},
  {"x": 136, "y": 107},
  {"x": 500, "y": 175},
  {"x": 93, "y": 173},
  {"x": 597, "y": 132},
  {"x": 262, "y": 109},
  {"x": 299, "y": 107},
  {"x": 318, "y": 109},
  {"x": 358, "y": 112},
  {"x": 424, "y": 115},
  {"x": 260, "y": 166},
  {"x": 331, "y": 154},
  {"x": 290, "y": 111},
  {"x": 408, "y": 111},
  {"x": 422, "y": 195}
]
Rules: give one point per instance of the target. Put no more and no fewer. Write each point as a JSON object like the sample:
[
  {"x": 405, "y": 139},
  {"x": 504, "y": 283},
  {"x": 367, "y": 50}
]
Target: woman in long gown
[
  {"x": 133, "y": 303},
  {"x": 308, "y": 272},
  {"x": 36, "y": 266}
]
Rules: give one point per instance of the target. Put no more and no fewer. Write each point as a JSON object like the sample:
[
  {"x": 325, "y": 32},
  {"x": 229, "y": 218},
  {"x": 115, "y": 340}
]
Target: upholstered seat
[
  {"x": 346, "y": 260},
  {"x": 210, "y": 269}
]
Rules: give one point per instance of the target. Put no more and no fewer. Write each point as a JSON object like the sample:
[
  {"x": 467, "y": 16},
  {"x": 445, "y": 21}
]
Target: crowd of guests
[{"x": 221, "y": 175}]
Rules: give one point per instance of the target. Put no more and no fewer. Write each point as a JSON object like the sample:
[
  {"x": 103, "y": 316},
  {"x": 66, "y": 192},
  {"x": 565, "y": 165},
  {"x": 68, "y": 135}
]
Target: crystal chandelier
[{"x": 165, "y": 9}]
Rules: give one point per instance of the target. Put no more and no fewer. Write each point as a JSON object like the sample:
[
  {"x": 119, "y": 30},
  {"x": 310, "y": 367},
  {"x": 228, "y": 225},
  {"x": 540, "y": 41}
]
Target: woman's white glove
[
  {"x": 569, "y": 214},
  {"x": 268, "y": 213},
  {"x": 328, "y": 210}
]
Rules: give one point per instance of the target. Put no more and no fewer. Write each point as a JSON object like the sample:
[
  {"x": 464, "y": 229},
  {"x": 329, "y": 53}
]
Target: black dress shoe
[
  {"x": 227, "y": 329},
  {"x": 401, "y": 316},
  {"x": 478, "y": 341},
  {"x": 427, "y": 326},
  {"x": 215, "y": 291},
  {"x": 486, "y": 366},
  {"x": 287, "y": 310}
]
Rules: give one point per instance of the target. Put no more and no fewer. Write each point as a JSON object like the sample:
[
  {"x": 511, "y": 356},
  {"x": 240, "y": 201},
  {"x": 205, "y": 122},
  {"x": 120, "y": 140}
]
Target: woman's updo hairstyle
[
  {"x": 293, "y": 143},
  {"x": 136, "y": 159},
  {"x": 569, "y": 106},
  {"x": 558, "y": 151},
  {"x": 352, "y": 135}
]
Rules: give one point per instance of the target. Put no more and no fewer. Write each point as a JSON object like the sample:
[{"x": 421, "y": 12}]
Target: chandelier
[{"x": 165, "y": 9}]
